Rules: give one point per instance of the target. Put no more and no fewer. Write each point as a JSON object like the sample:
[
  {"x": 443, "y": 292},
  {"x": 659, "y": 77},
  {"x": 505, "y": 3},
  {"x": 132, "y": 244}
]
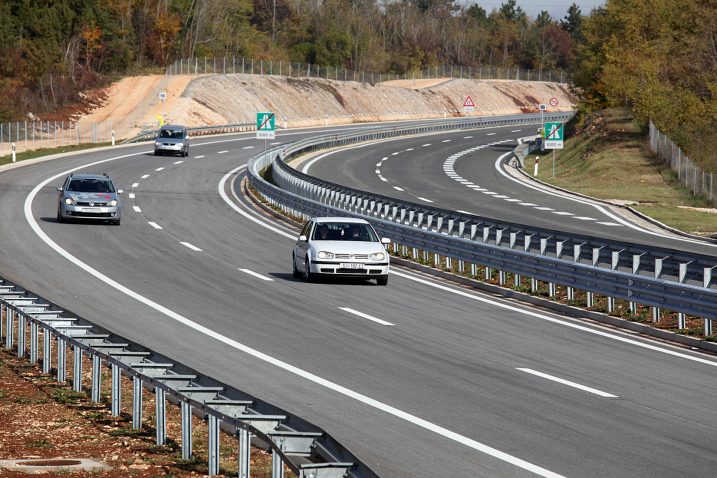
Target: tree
[{"x": 572, "y": 22}]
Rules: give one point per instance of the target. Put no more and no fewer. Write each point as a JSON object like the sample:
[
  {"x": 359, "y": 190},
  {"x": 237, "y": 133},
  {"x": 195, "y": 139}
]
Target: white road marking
[
  {"x": 191, "y": 246},
  {"x": 252, "y": 273},
  {"x": 248, "y": 147},
  {"x": 383, "y": 179},
  {"x": 136, "y": 209},
  {"x": 466, "y": 212},
  {"x": 134, "y": 185},
  {"x": 397, "y": 188},
  {"x": 609, "y": 224},
  {"x": 467, "y": 137},
  {"x": 159, "y": 169},
  {"x": 568, "y": 383},
  {"x": 144, "y": 176},
  {"x": 396, "y": 153},
  {"x": 513, "y": 200},
  {"x": 222, "y": 152},
  {"x": 423, "y": 199},
  {"x": 131, "y": 195},
  {"x": 365, "y": 316},
  {"x": 178, "y": 162},
  {"x": 154, "y": 225},
  {"x": 500, "y": 196},
  {"x": 199, "y": 157},
  {"x": 543, "y": 208},
  {"x": 563, "y": 213},
  {"x": 585, "y": 218},
  {"x": 490, "y": 134},
  {"x": 378, "y": 171},
  {"x": 425, "y": 145},
  {"x": 516, "y": 131},
  {"x": 527, "y": 204},
  {"x": 275, "y": 143},
  {"x": 409, "y": 149},
  {"x": 446, "y": 141},
  {"x": 492, "y": 193}
]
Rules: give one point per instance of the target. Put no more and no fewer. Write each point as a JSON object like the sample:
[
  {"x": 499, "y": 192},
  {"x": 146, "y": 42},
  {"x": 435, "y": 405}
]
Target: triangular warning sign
[{"x": 469, "y": 102}]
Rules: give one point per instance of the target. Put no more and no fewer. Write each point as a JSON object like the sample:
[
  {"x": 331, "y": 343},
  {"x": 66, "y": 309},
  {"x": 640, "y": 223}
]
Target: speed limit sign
[{"x": 553, "y": 101}]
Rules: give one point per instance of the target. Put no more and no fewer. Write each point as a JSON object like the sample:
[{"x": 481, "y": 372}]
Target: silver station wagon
[
  {"x": 340, "y": 246},
  {"x": 89, "y": 196}
]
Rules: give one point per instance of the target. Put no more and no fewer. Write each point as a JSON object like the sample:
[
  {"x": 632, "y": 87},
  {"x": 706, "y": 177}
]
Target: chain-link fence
[
  {"x": 54, "y": 133},
  {"x": 696, "y": 179},
  {"x": 233, "y": 65}
]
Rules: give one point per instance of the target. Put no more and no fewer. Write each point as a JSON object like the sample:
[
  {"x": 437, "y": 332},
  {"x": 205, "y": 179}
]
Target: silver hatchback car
[
  {"x": 172, "y": 139},
  {"x": 89, "y": 196},
  {"x": 340, "y": 246}
]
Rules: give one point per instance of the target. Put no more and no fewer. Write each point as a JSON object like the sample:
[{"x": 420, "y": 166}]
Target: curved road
[{"x": 457, "y": 384}]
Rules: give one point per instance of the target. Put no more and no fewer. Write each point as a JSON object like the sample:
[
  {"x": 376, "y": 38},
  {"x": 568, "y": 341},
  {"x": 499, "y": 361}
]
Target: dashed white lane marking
[
  {"x": 563, "y": 213},
  {"x": 609, "y": 224},
  {"x": 144, "y": 176},
  {"x": 191, "y": 246},
  {"x": 527, "y": 204},
  {"x": 466, "y": 212},
  {"x": 490, "y": 134},
  {"x": 258, "y": 276},
  {"x": 222, "y": 152},
  {"x": 585, "y": 218},
  {"x": 248, "y": 147},
  {"x": 446, "y": 141},
  {"x": 544, "y": 208},
  {"x": 383, "y": 179},
  {"x": 159, "y": 169},
  {"x": 568, "y": 383},
  {"x": 154, "y": 225},
  {"x": 491, "y": 193},
  {"x": 425, "y": 145},
  {"x": 467, "y": 137},
  {"x": 178, "y": 162},
  {"x": 501, "y": 196},
  {"x": 275, "y": 143},
  {"x": 134, "y": 185},
  {"x": 513, "y": 200},
  {"x": 136, "y": 209},
  {"x": 199, "y": 157},
  {"x": 397, "y": 188},
  {"x": 423, "y": 199},
  {"x": 396, "y": 153},
  {"x": 365, "y": 316},
  {"x": 409, "y": 149},
  {"x": 516, "y": 131},
  {"x": 131, "y": 195}
]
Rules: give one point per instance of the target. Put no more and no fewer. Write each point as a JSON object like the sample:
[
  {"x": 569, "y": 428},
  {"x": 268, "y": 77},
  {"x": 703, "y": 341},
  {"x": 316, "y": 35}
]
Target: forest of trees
[{"x": 658, "y": 57}]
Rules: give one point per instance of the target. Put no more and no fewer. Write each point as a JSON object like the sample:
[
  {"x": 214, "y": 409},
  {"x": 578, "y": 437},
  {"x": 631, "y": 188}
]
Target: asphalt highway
[{"x": 456, "y": 384}]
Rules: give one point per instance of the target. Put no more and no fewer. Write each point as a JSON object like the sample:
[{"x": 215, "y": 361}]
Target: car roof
[
  {"x": 173, "y": 126},
  {"x": 89, "y": 176},
  {"x": 339, "y": 219}
]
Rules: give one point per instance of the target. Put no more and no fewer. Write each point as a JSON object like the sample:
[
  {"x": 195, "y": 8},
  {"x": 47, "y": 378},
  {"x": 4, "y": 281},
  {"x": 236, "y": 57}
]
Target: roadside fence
[
  {"x": 696, "y": 179},
  {"x": 55, "y": 133},
  {"x": 251, "y": 66}
]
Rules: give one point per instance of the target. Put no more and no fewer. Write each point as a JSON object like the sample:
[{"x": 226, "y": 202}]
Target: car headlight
[
  {"x": 377, "y": 256},
  {"x": 325, "y": 255},
  {"x": 158, "y": 143},
  {"x": 112, "y": 203},
  {"x": 69, "y": 201}
]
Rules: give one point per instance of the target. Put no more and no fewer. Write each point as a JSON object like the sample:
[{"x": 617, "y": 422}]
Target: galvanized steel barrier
[
  {"x": 678, "y": 281},
  {"x": 305, "y": 449}
]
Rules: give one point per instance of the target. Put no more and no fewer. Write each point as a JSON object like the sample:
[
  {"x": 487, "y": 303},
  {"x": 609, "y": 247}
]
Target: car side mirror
[
  {"x": 60, "y": 189},
  {"x": 186, "y": 137},
  {"x": 120, "y": 191},
  {"x": 385, "y": 241},
  {"x": 303, "y": 238}
]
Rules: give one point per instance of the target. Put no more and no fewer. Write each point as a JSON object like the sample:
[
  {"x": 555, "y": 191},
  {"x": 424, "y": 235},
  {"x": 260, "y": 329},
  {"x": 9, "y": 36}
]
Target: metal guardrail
[
  {"x": 196, "y": 131},
  {"x": 661, "y": 278},
  {"x": 305, "y": 449}
]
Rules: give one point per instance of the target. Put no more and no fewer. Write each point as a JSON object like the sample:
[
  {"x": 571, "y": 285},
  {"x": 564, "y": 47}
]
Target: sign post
[
  {"x": 553, "y": 139},
  {"x": 162, "y": 97},
  {"x": 265, "y": 127}
]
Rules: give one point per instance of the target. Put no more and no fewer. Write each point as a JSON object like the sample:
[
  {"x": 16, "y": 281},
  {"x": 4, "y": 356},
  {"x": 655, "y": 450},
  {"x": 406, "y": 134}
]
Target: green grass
[
  {"x": 611, "y": 161},
  {"x": 36, "y": 153}
]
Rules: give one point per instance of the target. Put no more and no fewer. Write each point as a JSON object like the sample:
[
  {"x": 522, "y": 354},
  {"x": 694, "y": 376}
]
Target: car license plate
[
  {"x": 90, "y": 209},
  {"x": 351, "y": 265}
]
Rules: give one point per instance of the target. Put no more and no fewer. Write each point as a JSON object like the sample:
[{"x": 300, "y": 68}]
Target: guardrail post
[
  {"x": 636, "y": 258},
  {"x": 3, "y": 311},
  {"x": 77, "y": 370},
  {"x": 613, "y": 265},
  {"x": 681, "y": 319},
  {"x": 244, "y": 453},
  {"x": 136, "y": 402},
  {"x": 706, "y": 283},
  {"x": 590, "y": 300},
  {"x": 96, "y": 379},
  {"x": 186, "y": 431},
  {"x": 61, "y": 359},
  {"x": 449, "y": 263},
  {"x": 21, "y": 330},
  {"x": 160, "y": 419},
  {"x": 116, "y": 390},
  {"x": 10, "y": 319},
  {"x": 277, "y": 465},
  {"x": 576, "y": 258},
  {"x": 33, "y": 342},
  {"x": 213, "y": 448},
  {"x": 46, "y": 350}
]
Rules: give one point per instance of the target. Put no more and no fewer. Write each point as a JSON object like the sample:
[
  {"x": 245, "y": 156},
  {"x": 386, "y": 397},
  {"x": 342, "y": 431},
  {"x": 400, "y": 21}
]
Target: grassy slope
[{"x": 608, "y": 158}]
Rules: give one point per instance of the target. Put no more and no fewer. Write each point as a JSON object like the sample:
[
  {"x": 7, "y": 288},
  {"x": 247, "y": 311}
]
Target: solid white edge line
[
  {"x": 154, "y": 225},
  {"x": 259, "y": 276},
  {"x": 365, "y": 316},
  {"x": 568, "y": 383},
  {"x": 191, "y": 246}
]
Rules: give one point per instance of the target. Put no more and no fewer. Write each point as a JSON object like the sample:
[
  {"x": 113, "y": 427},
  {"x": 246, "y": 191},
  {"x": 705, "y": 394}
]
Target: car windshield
[
  {"x": 171, "y": 133},
  {"x": 91, "y": 186},
  {"x": 343, "y": 231}
]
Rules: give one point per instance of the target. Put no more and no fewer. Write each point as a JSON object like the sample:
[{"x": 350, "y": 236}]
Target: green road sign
[
  {"x": 265, "y": 125},
  {"x": 553, "y": 135}
]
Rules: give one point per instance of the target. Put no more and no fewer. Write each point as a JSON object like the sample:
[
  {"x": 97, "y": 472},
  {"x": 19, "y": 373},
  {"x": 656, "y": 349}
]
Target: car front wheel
[
  {"x": 59, "y": 216},
  {"x": 382, "y": 280},
  {"x": 294, "y": 271},
  {"x": 308, "y": 275}
]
